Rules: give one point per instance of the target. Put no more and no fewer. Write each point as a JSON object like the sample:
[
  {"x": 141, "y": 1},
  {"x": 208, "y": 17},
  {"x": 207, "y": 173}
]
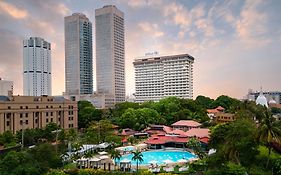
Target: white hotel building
[{"x": 157, "y": 77}]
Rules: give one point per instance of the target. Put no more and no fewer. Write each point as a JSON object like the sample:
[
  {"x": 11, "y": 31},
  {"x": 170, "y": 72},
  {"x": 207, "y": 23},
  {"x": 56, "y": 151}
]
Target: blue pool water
[{"x": 160, "y": 156}]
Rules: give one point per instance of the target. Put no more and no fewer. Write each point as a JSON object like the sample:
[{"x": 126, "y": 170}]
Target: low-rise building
[
  {"x": 22, "y": 112},
  {"x": 224, "y": 117},
  {"x": 185, "y": 125}
]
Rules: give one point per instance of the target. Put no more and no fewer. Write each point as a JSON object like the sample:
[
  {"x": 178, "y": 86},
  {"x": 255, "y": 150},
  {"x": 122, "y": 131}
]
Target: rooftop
[{"x": 188, "y": 123}]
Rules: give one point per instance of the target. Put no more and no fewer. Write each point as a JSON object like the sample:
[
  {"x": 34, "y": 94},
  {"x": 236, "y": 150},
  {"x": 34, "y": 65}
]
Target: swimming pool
[{"x": 160, "y": 157}]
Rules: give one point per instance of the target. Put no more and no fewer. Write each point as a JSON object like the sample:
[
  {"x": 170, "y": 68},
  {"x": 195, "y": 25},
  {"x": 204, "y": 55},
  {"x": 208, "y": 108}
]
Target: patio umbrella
[
  {"x": 182, "y": 161},
  {"x": 102, "y": 153},
  {"x": 94, "y": 159},
  {"x": 125, "y": 161},
  {"x": 104, "y": 157},
  {"x": 167, "y": 161}
]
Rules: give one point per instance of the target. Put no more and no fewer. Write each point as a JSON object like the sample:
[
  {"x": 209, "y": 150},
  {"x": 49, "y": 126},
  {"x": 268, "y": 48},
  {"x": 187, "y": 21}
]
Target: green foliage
[
  {"x": 195, "y": 145},
  {"x": 46, "y": 156},
  {"x": 7, "y": 139},
  {"x": 100, "y": 131},
  {"x": 230, "y": 104},
  {"x": 139, "y": 119},
  {"x": 205, "y": 102},
  {"x": 235, "y": 141},
  {"x": 15, "y": 163},
  {"x": 56, "y": 172},
  {"x": 87, "y": 113},
  {"x": 277, "y": 166}
]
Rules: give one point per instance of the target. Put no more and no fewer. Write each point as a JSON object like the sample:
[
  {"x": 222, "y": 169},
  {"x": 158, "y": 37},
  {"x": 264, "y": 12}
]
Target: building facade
[
  {"x": 78, "y": 55},
  {"x": 22, "y": 112},
  {"x": 110, "y": 52},
  {"x": 157, "y": 77},
  {"x": 6, "y": 87},
  {"x": 36, "y": 67}
]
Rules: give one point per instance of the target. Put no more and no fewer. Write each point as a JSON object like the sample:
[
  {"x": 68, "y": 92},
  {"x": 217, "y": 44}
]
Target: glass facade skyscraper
[
  {"x": 78, "y": 55},
  {"x": 110, "y": 52},
  {"x": 36, "y": 67}
]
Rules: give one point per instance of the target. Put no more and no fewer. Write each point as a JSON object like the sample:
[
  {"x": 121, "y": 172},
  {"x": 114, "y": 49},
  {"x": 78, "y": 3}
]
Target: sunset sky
[{"x": 236, "y": 44}]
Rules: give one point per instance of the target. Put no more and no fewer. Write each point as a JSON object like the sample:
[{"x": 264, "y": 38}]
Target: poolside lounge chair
[
  {"x": 183, "y": 169},
  {"x": 154, "y": 170},
  {"x": 168, "y": 169}
]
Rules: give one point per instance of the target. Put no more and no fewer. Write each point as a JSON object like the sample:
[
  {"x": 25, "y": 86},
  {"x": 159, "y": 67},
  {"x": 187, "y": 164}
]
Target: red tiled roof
[
  {"x": 167, "y": 128},
  {"x": 176, "y": 132},
  {"x": 165, "y": 139},
  {"x": 188, "y": 123},
  {"x": 212, "y": 111},
  {"x": 198, "y": 132},
  {"x": 220, "y": 108},
  {"x": 204, "y": 140}
]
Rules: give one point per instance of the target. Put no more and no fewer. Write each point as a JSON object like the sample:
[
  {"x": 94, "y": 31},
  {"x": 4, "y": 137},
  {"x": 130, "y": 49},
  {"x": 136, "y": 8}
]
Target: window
[
  {"x": 26, "y": 107},
  {"x": 26, "y": 122},
  {"x": 47, "y": 120},
  {"x": 37, "y": 107},
  {"x": 20, "y": 107},
  {"x": 47, "y": 114},
  {"x": 20, "y": 115},
  {"x": 51, "y": 114},
  {"x": 8, "y": 123},
  {"x": 36, "y": 120},
  {"x": 9, "y": 107},
  {"x": 51, "y": 119},
  {"x": 26, "y": 115}
]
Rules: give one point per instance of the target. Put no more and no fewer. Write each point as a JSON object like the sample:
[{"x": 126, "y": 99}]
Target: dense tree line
[{"x": 166, "y": 111}]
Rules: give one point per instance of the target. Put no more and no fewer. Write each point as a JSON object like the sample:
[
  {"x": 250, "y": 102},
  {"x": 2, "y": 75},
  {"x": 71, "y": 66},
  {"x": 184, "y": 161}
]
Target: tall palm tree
[
  {"x": 137, "y": 156},
  {"x": 116, "y": 155},
  {"x": 268, "y": 132}
]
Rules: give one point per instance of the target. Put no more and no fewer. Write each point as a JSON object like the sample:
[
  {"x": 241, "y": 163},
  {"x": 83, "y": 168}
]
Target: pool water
[{"x": 160, "y": 156}]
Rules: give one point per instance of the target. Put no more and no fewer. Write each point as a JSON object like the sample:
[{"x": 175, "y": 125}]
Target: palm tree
[
  {"x": 116, "y": 155},
  {"x": 137, "y": 156},
  {"x": 268, "y": 132}
]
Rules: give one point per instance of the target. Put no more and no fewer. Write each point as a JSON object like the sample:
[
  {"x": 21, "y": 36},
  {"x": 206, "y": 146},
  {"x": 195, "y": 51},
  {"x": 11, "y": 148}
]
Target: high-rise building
[
  {"x": 36, "y": 67},
  {"x": 6, "y": 87},
  {"x": 110, "y": 52},
  {"x": 157, "y": 77},
  {"x": 78, "y": 55}
]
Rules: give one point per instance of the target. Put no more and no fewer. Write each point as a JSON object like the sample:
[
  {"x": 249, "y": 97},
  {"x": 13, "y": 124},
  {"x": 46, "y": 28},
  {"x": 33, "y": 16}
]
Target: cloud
[
  {"x": 151, "y": 29},
  {"x": 12, "y": 10},
  {"x": 251, "y": 27},
  {"x": 143, "y": 3}
]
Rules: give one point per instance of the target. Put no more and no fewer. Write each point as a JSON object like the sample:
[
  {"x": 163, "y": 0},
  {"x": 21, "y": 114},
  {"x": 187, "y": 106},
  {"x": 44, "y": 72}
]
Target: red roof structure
[
  {"x": 176, "y": 132},
  {"x": 216, "y": 110},
  {"x": 159, "y": 140},
  {"x": 198, "y": 132},
  {"x": 187, "y": 123}
]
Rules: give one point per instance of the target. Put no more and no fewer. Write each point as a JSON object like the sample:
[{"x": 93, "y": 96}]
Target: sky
[{"x": 236, "y": 43}]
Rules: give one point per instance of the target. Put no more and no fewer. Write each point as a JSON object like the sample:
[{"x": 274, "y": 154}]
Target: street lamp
[
  {"x": 22, "y": 133},
  {"x": 57, "y": 133}
]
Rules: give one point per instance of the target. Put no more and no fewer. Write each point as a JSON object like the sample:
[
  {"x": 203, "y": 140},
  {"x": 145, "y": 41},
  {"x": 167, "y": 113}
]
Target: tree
[
  {"x": 15, "y": 163},
  {"x": 205, "y": 102},
  {"x": 268, "y": 132},
  {"x": 7, "y": 139},
  {"x": 116, "y": 155},
  {"x": 235, "y": 141},
  {"x": 195, "y": 145},
  {"x": 87, "y": 113},
  {"x": 137, "y": 156}
]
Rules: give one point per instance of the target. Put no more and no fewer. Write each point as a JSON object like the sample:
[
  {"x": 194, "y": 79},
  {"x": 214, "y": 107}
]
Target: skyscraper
[
  {"x": 36, "y": 67},
  {"x": 110, "y": 52},
  {"x": 158, "y": 77},
  {"x": 78, "y": 55}
]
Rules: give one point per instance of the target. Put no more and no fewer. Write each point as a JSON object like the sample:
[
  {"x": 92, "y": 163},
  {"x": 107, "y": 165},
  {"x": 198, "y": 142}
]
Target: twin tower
[{"x": 110, "y": 54}]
